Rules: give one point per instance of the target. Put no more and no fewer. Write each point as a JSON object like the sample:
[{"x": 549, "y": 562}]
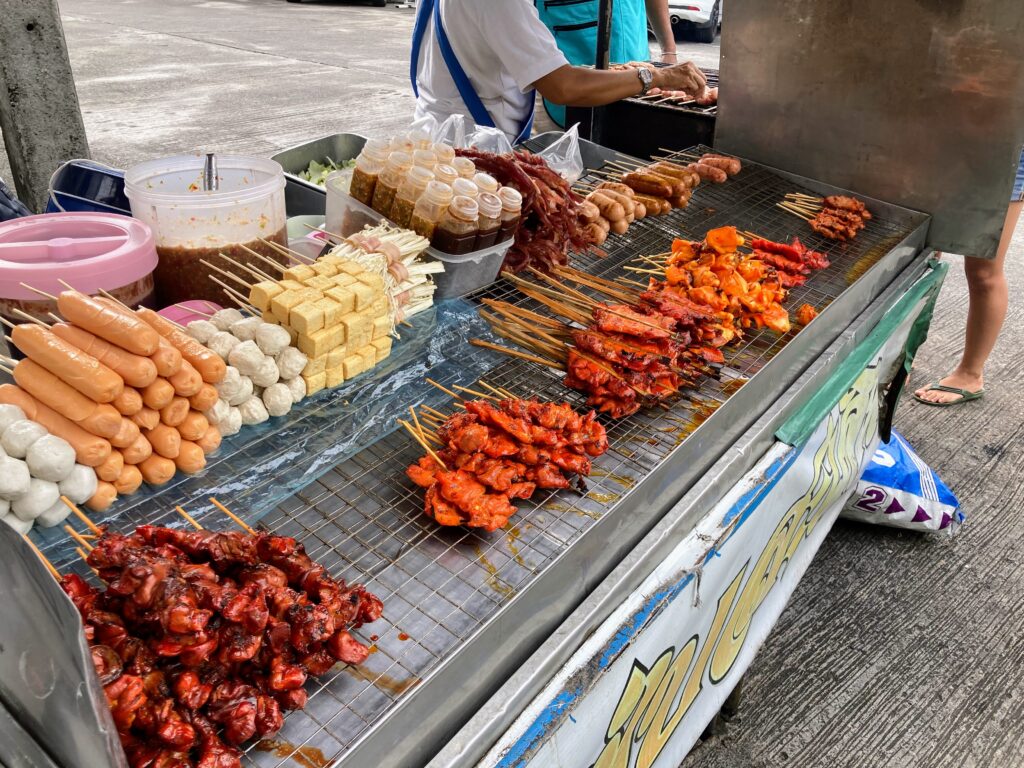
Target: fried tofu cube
[
  {"x": 332, "y": 311},
  {"x": 292, "y": 285},
  {"x": 337, "y": 356},
  {"x": 364, "y": 296},
  {"x": 315, "y": 383},
  {"x": 320, "y": 283},
  {"x": 300, "y": 272},
  {"x": 261, "y": 294},
  {"x": 325, "y": 269},
  {"x": 379, "y": 306},
  {"x": 345, "y": 298},
  {"x": 383, "y": 348},
  {"x": 350, "y": 267},
  {"x": 371, "y": 279},
  {"x": 344, "y": 279},
  {"x": 316, "y": 344},
  {"x": 353, "y": 366},
  {"x": 335, "y": 376},
  {"x": 269, "y": 317},
  {"x": 307, "y": 318},
  {"x": 283, "y": 303},
  {"x": 357, "y": 325},
  {"x": 381, "y": 327},
  {"x": 369, "y": 354},
  {"x": 315, "y": 365}
]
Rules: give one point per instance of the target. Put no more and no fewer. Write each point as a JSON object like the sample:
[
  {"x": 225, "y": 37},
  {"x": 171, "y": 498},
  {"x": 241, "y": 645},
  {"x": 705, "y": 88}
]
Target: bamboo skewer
[
  {"x": 422, "y": 441},
  {"x": 30, "y": 318},
  {"x": 264, "y": 259},
  {"x": 435, "y": 412},
  {"x": 445, "y": 389},
  {"x": 77, "y": 537},
  {"x": 475, "y": 392},
  {"x": 82, "y": 516},
  {"x": 516, "y": 353},
  {"x": 224, "y": 272},
  {"x": 233, "y": 516},
  {"x": 259, "y": 274},
  {"x": 286, "y": 251},
  {"x": 85, "y": 559},
  {"x": 44, "y": 294},
  {"x": 188, "y": 517},
  {"x": 794, "y": 212},
  {"x": 49, "y": 566}
]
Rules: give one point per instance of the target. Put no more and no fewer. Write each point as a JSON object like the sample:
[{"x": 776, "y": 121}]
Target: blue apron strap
[
  {"x": 419, "y": 30},
  {"x": 426, "y": 10}
]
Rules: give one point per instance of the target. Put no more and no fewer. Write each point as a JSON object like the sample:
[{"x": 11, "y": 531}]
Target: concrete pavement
[{"x": 897, "y": 650}]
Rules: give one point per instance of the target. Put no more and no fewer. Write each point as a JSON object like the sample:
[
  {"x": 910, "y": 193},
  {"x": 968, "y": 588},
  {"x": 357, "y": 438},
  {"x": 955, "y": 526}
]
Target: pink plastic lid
[
  {"x": 89, "y": 251},
  {"x": 188, "y": 311}
]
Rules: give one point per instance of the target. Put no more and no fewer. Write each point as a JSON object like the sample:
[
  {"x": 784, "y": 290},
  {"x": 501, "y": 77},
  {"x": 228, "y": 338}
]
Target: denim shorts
[{"x": 1018, "y": 184}]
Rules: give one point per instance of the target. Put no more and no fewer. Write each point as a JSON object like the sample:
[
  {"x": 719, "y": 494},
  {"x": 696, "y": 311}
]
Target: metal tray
[{"x": 301, "y": 198}]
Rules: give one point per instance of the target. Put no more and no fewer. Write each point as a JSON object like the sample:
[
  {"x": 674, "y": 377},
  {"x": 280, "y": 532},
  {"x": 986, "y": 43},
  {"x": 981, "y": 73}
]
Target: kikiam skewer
[
  {"x": 81, "y": 516},
  {"x": 189, "y": 518},
  {"x": 77, "y": 537},
  {"x": 241, "y": 523},
  {"x": 49, "y": 566}
]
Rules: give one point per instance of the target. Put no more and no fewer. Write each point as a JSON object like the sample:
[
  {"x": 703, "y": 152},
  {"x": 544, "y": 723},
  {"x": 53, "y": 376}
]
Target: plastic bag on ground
[
  {"x": 564, "y": 157},
  {"x": 899, "y": 490}
]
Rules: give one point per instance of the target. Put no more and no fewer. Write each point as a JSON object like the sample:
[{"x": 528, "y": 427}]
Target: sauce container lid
[{"x": 89, "y": 251}]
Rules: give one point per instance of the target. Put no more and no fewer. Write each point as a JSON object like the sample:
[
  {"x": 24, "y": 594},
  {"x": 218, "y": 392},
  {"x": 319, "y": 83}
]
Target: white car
[{"x": 704, "y": 17}]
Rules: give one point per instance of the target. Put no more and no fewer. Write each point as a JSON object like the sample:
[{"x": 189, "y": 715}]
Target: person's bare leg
[{"x": 986, "y": 283}]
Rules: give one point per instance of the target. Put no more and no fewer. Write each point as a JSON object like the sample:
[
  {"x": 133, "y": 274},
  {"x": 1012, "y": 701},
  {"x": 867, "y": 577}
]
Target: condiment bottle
[
  {"x": 445, "y": 154},
  {"x": 465, "y": 167},
  {"x": 401, "y": 143},
  {"x": 420, "y": 139},
  {"x": 511, "y": 212},
  {"x": 486, "y": 183},
  {"x": 488, "y": 220},
  {"x": 465, "y": 188},
  {"x": 445, "y": 173},
  {"x": 456, "y": 232},
  {"x": 408, "y": 193},
  {"x": 390, "y": 179},
  {"x": 430, "y": 208},
  {"x": 424, "y": 158},
  {"x": 369, "y": 164}
]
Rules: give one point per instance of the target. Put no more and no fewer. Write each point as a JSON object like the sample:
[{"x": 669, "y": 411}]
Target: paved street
[{"x": 897, "y": 651}]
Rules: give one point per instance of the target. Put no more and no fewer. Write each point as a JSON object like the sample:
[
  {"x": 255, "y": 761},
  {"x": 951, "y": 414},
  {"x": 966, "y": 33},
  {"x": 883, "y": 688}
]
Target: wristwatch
[{"x": 646, "y": 79}]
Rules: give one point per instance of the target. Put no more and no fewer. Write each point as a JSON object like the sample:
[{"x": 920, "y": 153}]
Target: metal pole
[
  {"x": 604, "y": 33},
  {"x": 39, "y": 113}
]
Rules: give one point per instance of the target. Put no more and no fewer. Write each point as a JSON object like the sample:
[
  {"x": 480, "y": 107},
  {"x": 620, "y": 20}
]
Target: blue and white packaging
[{"x": 898, "y": 489}]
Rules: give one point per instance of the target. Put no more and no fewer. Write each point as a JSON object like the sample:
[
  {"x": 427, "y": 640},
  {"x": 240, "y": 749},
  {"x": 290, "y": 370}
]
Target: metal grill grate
[
  {"x": 364, "y": 519},
  {"x": 711, "y": 75}
]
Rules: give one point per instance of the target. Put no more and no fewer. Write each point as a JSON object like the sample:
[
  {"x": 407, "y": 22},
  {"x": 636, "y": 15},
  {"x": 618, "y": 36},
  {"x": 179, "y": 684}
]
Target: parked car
[{"x": 702, "y": 17}]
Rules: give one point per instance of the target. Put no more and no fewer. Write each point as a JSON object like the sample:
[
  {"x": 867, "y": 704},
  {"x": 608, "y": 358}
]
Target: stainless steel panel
[
  {"x": 919, "y": 102},
  {"x": 301, "y": 197}
]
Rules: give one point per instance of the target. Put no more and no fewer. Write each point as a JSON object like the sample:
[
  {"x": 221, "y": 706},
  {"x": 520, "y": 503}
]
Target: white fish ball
[
  {"x": 19, "y": 436},
  {"x": 50, "y": 458}
]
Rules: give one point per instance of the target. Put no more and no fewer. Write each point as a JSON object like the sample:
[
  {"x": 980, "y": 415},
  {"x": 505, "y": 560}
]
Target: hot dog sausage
[
  {"x": 158, "y": 394},
  {"x": 68, "y": 363},
  {"x": 110, "y": 469},
  {"x": 100, "y": 420},
  {"x": 167, "y": 359},
  {"x": 105, "y": 495},
  {"x": 126, "y": 435},
  {"x": 609, "y": 209},
  {"x": 146, "y": 418},
  {"x": 210, "y": 441},
  {"x": 205, "y": 399},
  {"x": 625, "y": 201},
  {"x": 137, "y": 452},
  {"x": 614, "y": 186},
  {"x": 619, "y": 227},
  {"x": 690, "y": 178},
  {"x": 730, "y": 165},
  {"x": 120, "y": 329},
  {"x": 156, "y": 470},
  {"x": 129, "y": 402},
  {"x": 89, "y": 449},
  {"x": 191, "y": 457},
  {"x": 709, "y": 173},
  {"x": 588, "y": 212},
  {"x": 647, "y": 184},
  {"x": 165, "y": 441},
  {"x": 209, "y": 364},
  {"x": 187, "y": 381},
  {"x": 194, "y": 426},
  {"x": 129, "y": 481},
  {"x": 136, "y": 371},
  {"x": 174, "y": 412},
  {"x": 595, "y": 234},
  {"x": 640, "y": 210},
  {"x": 652, "y": 204}
]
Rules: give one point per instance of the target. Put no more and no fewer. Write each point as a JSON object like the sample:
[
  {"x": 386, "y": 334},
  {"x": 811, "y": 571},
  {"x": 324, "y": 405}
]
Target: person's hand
[{"x": 682, "y": 77}]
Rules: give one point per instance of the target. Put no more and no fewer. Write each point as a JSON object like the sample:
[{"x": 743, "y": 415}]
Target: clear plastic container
[
  {"x": 390, "y": 180},
  {"x": 445, "y": 154},
  {"x": 405, "y": 201},
  {"x": 486, "y": 183},
  {"x": 430, "y": 208},
  {"x": 223, "y": 226},
  {"x": 465, "y": 188},
  {"x": 401, "y": 143},
  {"x": 488, "y": 220},
  {"x": 446, "y": 174},
  {"x": 455, "y": 233},
  {"x": 369, "y": 164},
  {"x": 511, "y": 212},
  {"x": 420, "y": 139},
  {"x": 465, "y": 167},
  {"x": 424, "y": 158}
]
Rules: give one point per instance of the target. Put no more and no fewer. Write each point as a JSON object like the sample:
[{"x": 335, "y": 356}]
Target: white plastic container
[{"x": 193, "y": 225}]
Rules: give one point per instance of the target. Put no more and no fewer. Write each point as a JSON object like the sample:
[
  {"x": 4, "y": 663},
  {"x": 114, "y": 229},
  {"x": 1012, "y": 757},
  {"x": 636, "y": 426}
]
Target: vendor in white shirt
[{"x": 486, "y": 58}]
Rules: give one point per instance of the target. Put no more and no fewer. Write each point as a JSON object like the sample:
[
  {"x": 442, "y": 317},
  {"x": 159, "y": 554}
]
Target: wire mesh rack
[
  {"x": 674, "y": 104},
  {"x": 364, "y": 519}
]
